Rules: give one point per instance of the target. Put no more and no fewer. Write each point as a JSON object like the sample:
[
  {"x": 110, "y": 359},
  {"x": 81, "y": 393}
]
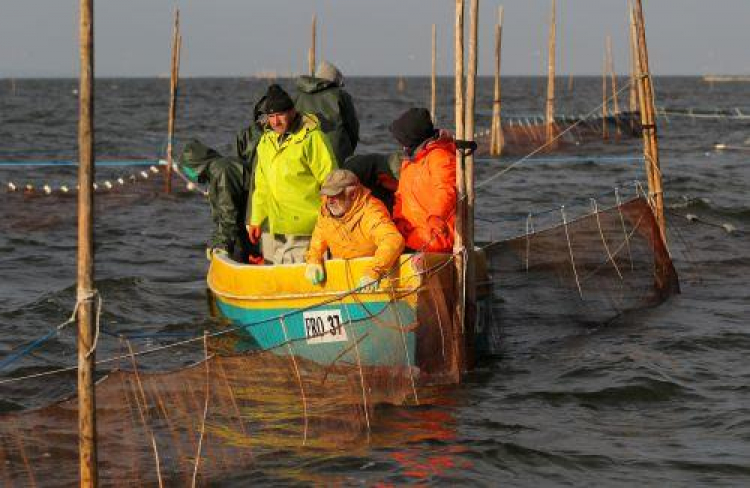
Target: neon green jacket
[{"x": 288, "y": 178}]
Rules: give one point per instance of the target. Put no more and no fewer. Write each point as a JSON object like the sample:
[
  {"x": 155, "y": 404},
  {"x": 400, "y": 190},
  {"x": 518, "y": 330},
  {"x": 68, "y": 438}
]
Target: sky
[{"x": 39, "y": 38}]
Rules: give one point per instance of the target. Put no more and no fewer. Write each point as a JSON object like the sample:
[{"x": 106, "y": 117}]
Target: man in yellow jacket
[
  {"x": 294, "y": 158},
  {"x": 353, "y": 224}
]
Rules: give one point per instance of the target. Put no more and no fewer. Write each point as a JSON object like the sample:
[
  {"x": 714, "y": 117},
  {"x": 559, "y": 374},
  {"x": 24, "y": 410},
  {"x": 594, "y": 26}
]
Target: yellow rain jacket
[
  {"x": 288, "y": 178},
  {"x": 365, "y": 230}
]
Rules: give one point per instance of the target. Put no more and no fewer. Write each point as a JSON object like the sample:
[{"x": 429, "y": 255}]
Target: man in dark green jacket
[
  {"x": 227, "y": 178},
  {"x": 324, "y": 96}
]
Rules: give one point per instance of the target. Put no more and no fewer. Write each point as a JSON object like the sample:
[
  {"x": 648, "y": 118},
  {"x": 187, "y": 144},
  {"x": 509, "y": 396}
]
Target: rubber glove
[
  {"x": 367, "y": 283},
  {"x": 315, "y": 273},
  {"x": 215, "y": 251},
  {"x": 253, "y": 232}
]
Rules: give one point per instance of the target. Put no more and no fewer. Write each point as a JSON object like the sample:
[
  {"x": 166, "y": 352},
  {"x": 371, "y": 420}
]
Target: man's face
[
  {"x": 339, "y": 204},
  {"x": 281, "y": 121}
]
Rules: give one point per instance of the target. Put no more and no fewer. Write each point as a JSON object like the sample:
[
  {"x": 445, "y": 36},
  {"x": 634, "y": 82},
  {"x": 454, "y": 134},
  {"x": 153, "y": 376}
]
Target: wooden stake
[
  {"x": 433, "y": 78},
  {"x": 458, "y": 245},
  {"x": 605, "y": 103},
  {"x": 85, "y": 290},
  {"x": 311, "y": 52},
  {"x": 549, "y": 115},
  {"x": 470, "y": 309},
  {"x": 648, "y": 124},
  {"x": 497, "y": 140},
  {"x": 613, "y": 78},
  {"x": 633, "y": 61},
  {"x": 173, "y": 82}
]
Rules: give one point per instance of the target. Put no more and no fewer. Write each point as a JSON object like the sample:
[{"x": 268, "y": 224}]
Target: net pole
[
  {"x": 433, "y": 77},
  {"x": 311, "y": 52},
  {"x": 173, "y": 81},
  {"x": 458, "y": 245},
  {"x": 549, "y": 116},
  {"x": 89, "y": 476},
  {"x": 496, "y": 142},
  {"x": 648, "y": 124},
  {"x": 470, "y": 279}
]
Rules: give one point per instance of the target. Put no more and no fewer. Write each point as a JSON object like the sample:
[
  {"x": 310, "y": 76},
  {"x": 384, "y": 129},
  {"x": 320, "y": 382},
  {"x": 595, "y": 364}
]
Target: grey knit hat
[{"x": 327, "y": 71}]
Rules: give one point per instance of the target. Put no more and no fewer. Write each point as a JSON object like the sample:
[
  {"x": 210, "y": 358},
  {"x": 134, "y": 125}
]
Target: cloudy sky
[{"x": 364, "y": 37}]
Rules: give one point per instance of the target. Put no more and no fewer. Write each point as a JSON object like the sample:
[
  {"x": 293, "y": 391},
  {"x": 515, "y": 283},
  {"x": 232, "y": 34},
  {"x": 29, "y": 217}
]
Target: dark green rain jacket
[
  {"x": 227, "y": 179},
  {"x": 246, "y": 146},
  {"x": 335, "y": 110}
]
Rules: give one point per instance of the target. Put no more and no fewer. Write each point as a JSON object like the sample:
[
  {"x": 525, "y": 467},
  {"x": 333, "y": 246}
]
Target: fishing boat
[{"x": 405, "y": 323}]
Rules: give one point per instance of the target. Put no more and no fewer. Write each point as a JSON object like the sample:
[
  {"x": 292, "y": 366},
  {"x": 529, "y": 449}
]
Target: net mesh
[
  {"x": 589, "y": 270},
  {"x": 232, "y": 409}
]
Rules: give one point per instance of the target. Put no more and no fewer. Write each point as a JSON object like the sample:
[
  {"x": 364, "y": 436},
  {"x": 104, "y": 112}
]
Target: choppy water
[{"x": 660, "y": 396}]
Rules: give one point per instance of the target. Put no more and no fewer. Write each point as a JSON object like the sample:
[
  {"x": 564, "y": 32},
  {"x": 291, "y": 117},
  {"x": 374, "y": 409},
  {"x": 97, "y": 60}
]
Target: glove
[
  {"x": 367, "y": 283},
  {"x": 437, "y": 226},
  {"x": 215, "y": 251},
  {"x": 253, "y": 232},
  {"x": 315, "y": 273}
]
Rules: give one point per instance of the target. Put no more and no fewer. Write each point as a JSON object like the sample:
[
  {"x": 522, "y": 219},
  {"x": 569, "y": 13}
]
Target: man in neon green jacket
[{"x": 294, "y": 158}]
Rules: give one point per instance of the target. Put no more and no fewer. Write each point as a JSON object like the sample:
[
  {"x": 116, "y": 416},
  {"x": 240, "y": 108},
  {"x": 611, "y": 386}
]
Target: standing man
[
  {"x": 425, "y": 204},
  {"x": 324, "y": 96},
  {"x": 294, "y": 158}
]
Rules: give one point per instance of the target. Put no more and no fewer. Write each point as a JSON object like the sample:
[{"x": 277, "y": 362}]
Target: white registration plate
[{"x": 322, "y": 326}]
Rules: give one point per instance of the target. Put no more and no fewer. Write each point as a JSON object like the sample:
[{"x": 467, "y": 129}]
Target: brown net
[
  {"x": 588, "y": 270},
  {"x": 229, "y": 409}
]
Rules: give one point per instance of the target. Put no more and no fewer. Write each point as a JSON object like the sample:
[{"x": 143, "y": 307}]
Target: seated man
[
  {"x": 378, "y": 173},
  {"x": 227, "y": 196},
  {"x": 353, "y": 224},
  {"x": 425, "y": 204},
  {"x": 294, "y": 158}
]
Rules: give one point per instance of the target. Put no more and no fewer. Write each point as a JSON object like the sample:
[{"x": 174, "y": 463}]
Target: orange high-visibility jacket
[
  {"x": 366, "y": 229},
  {"x": 427, "y": 187}
]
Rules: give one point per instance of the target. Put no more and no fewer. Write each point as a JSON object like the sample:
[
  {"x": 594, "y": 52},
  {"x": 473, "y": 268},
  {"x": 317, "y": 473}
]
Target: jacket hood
[
  {"x": 445, "y": 143},
  {"x": 196, "y": 156},
  {"x": 311, "y": 84}
]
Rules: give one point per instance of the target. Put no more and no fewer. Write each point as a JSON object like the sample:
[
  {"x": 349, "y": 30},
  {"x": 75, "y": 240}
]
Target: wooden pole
[
  {"x": 497, "y": 141},
  {"x": 469, "y": 134},
  {"x": 173, "y": 82},
  {"x": 458, "y": 245},
  {"x": 433, "y": 78},
  {"x": 605, "y": 103},
  {"x": 85, "y": 289},
  {"x": 633, "y": 61},
  {"x": 648, "y": 123},
  {"x": 311, "y": 52},
  {"x": 550, "y": 109},
  {"x": 613, "y": 78}
]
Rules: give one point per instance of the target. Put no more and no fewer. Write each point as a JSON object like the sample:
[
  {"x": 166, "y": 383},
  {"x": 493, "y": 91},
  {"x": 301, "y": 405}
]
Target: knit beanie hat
[
  {"x": 413, "y": 127},
  {"x": 327, "y": 71},
  {"x": 277, "y": 100}
]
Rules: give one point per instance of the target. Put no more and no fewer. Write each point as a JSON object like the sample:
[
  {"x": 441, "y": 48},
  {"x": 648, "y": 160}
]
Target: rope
[{"x": 570, "y": 250}]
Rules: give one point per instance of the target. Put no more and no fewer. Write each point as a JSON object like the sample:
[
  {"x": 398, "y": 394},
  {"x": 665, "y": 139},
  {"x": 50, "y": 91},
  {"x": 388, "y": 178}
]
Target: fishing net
[
  {"x": 522, "y": 135},
  {"x": 590, "y": 270},
  {"x": 233, "y": 408}
]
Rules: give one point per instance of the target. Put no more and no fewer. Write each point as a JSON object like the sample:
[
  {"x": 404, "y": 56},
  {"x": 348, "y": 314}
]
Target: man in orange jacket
[
  {"x": 425, "y": 205},
  {"x": 353, "y": 224}
]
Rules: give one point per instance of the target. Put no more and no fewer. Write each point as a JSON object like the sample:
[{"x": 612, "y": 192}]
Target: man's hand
[
  {"x": 253, "y": 232},
  {"x": 314, "y": 273},
  {"x": 438, "y": 226},
  {"x": 215, "y": 251},
  {"x": 367, "y": 283}
]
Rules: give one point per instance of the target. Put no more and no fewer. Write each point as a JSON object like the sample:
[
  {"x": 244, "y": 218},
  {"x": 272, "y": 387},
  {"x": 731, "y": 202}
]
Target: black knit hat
[
  {"x": 413, "y": 127},
  {"x": 277, "y": 100}
]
